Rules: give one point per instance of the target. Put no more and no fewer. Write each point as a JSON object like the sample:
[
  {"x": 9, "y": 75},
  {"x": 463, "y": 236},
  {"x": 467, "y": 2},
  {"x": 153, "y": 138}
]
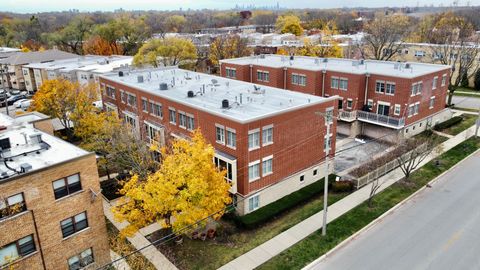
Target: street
[
  {"x": 437, "y": 229},
  {"x": 466, "y": 102}
]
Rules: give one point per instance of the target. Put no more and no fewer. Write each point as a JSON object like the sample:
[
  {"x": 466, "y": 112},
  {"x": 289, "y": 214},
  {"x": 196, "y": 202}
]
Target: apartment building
[
  {"x": 50, "y": 214},
  {"x": 13, "y": 75},
  {"x": 270, "y": 141},
  {"x": 375, "y": 96},
  {"x": 81, "y": 69}
]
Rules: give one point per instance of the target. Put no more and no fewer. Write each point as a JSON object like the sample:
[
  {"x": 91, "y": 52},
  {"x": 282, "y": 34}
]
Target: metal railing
[
  {"x": 348, "y": 116},
  {"x": 381, "y": 119}
]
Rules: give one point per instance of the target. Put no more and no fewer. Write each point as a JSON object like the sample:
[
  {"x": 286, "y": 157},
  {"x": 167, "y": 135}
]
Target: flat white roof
[
  {"x": 94, "y": 63},
  {"x": 246, "y": 103},
  {"x": 25, "y": 150},
  {"x": 352, "y": 66}
]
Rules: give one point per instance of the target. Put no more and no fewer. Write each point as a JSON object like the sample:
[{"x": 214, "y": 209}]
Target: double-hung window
[
  {"x": 190, "y": 122},
  {"x": 110, "y": 92},
  {"x": 444, "y": 79},
  {"x": 267, "y": 135},
  {"x": 220, "y": 134},
  {"x": 182, "y": 120},
  {"x": 231, "y": 138},
  {"x": 334, "y": 83},
  {"x": 434, "y": 82},
  {"x": 267, "y": 165},
  {"x": 417, "y": 108},
  {"x": 66, "y": 186},
  {"x": 263, "y": 76},
  {"x": 254, "y": 171},
  {"x": 19, "y": 248},
  {"x": 343, "y": 84},
  {"x": 253, "y": 203},
  {"x": 231, "y": 73},
  {"x": 254, "y": 139},
  {"x": 12, "y": 205},
  {"x": 380, "y": 87},
  {"x": 157, "y": 110},
  {"x": 397, "y": 109},
  {"x": 432, "y": 102},
  {"x": 81, "y": 260},
  {"x": 390, "y": 89},
  {"x": 411, "y": 110},
  {"x": 172, "y": 116},
  {"x": 74, "y": 224},
  {"x": 299, "y": 79},
  {"x": 144, "y": 105}
]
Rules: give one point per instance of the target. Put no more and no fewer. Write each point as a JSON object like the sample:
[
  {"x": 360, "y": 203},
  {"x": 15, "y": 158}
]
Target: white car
[
  {"x": 17, "y": 104},
  {"x": 26, "y": 104}
]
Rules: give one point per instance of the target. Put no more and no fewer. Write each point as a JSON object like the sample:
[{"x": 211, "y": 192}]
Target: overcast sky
[{"x": 93, "y": 5}]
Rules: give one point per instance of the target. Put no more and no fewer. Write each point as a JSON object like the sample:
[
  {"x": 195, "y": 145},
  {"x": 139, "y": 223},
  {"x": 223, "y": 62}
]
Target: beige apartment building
[{"x": 50, "y": 214}]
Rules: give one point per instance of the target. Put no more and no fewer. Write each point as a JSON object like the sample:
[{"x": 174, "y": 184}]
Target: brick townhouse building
[
  {"x": 270, "y": 141},
  {"x": 376, "y": 96},
  {"x": 50, "y": 215}
]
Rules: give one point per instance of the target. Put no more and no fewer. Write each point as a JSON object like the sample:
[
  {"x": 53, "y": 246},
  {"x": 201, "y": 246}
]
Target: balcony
[
  {"x": 347, "y": 116},
  {"x": 382, "y": 120}
]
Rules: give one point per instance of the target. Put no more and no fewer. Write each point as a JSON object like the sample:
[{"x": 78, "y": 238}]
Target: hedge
[
  {"x": 267, "y": 212},
  {"x": 450, "y": 122}
]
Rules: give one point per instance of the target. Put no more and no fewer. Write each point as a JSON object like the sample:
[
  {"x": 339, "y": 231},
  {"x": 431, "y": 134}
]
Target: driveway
[{"x": 437, "y": 229}]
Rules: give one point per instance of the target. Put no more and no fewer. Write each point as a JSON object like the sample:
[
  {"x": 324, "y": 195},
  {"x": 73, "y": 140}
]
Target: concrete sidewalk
[
  {"x": 139, "y": 241},
  {"x": 288, "y": 238}
]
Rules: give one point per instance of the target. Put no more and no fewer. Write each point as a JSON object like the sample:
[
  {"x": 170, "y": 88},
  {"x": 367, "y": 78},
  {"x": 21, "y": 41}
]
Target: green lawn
[
  {"x": 315, "y": 245},
  {"x": 232, "y": 241},
  {"x": 470, "y": 92},
  {"x": 468, "y": 121}
]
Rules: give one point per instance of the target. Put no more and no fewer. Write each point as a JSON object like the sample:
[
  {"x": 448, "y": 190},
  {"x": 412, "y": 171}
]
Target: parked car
[
  {"x": 26, "y": 104},
  {"x": 14, "y": 99},
  {"x": 17, "y": 104}
]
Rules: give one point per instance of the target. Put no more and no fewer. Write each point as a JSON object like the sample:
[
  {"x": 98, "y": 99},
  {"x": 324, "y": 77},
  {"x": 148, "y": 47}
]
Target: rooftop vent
[
  {"x": 36, "y": 138},
  {"x": 120, "y": 74},
  {"x": 362, "y": 61},
  {"x": 225, "y": 104},
  {"x": 292, "y": 57},
  {"x": 5, "y": 144},
  {"x": 163, "y": 86},
  {"x": 190, "y": 94},
  {"x": 214, "y": 81},
  {"x": 407, "y": 65},
  {"x": 325, "y": 60},
  {"x": 140, "y": 79},
  {"x": 25, "y": 167}
]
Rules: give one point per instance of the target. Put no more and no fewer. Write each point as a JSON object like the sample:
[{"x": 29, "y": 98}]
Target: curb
[{"x": 380, "y": 218}]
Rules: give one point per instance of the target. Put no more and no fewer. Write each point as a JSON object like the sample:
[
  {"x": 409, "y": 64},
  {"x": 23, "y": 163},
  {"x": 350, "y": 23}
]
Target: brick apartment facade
[
  {"x": 381, "y": 94},
  {"x": 282, "y": 133},
  {"x": 56, "y": 221}
]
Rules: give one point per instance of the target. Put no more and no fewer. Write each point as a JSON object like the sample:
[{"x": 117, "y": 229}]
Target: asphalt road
[
  {"x": 438, "y": 229},
  {"x": 466, "y": 102}
]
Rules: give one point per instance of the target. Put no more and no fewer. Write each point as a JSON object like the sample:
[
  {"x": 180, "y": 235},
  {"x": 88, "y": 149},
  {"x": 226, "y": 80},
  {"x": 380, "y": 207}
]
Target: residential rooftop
[
  {"x": 24, "y": 149},
  {"x": 246, "y": 102},
  {"x": 22, "y": 58},
  {"x": 387, "y": 68},
  {"x": 94, "y": 63}
]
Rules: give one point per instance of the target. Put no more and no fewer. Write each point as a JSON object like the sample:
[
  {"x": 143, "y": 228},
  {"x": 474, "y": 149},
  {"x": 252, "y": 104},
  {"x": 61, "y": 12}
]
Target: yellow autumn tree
[
  {"x": 170, "y": 51},
  {"x": 185, "y": 189},
  {"x": 330, "y": 49},
  {"x": 289, "y": 24},
  {"x": 225, "y": 47}
]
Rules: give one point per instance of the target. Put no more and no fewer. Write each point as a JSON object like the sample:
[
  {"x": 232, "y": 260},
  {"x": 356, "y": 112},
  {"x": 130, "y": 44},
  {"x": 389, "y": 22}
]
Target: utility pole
[{"x": 4, "y": 92}]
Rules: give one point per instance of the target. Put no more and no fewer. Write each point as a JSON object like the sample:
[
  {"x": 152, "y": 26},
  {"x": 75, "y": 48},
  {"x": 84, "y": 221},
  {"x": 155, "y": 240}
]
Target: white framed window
[
  {"x": 123, "y": 97},
  {"x": 253, "y": 203},
  {"x": 349, "y": 103},
  {"x": 220, "y": 134},
  {"x": 132, "y": 100},
  {"x": 343, "y": 84},
  {"x": 190, "y": 122},
  {"x": 230, "y": 72},
  {"x": 397, "y": 109},
  {"x": 172, "y": 116},
  {"x": 417, "y": 108},
  {"x": 444, "y": 79},
  {"x": 267, "y": 165},
  {"x": 130, "y": 120},
  {"x": 81, "y": 260},
  {"x": 156, "y": 109},
  {"x": 434, "y": 82},
  {"x": 299, "y": 79},
  {"x": 263, "y": 76},
  {"x": 370, "y": 104},
  {"x": 411, "y": 110},
  {"x": 413, "y": 92},
  {"x": 144, "y": 105},
  {"x": 267, "y": 135},
  {"x": 182, "y": 119},
  {"x": 380, "y": 87},
  {"x": 254, "y": 139},
  {"x": 432, "y": 102},
  {"x": 254, "y": 171},
  {"x": 334, "y": 82},
  {"x": 390, "y": 88},
  {"x": 419, "y": 88},
  {"x": 419, "y": 53},
  {"x": 110, "y": 91},
  {"x": 231, "y": 138}
]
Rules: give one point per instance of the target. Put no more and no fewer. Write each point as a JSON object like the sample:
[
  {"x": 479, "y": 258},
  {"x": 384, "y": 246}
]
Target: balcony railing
[
  {"x": 348, "y": 116},
  {"x": 379, "y": 119}
]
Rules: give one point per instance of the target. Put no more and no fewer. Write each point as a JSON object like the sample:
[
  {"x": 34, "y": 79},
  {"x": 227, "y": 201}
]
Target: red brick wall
[
  {"x": 297, "y": 134},
  {"x": 275, "y": 76}
]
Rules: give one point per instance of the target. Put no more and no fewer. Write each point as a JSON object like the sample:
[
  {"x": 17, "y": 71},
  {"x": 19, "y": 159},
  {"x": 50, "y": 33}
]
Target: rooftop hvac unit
[
  {"x": 190, "y": 94},
  {"x": 163, "y": 86},
  {"x": 36, "y": 138},
  {"x": 140, "y": 79},
  {"x": 5, "y": 144},
  {"x": 325, "y": 60},
  {"x": 120, "y": 74},
  {"x": 25, "y": 167},
  {"x": 225, "y": 104},
  {"x": 362, "y": 61},
  {"x": 407, "y": 65}
]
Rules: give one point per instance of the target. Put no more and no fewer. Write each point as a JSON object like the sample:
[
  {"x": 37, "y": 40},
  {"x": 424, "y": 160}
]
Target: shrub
[
  {"x": 477, "y": 80},
  {"x": 271, "y": 210},
  {"x": 343, "y": 186},
  {"x": 450, "y": 122}
]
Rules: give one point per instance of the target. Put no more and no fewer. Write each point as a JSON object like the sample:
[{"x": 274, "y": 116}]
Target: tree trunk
[{"x": 450, "y": 96}]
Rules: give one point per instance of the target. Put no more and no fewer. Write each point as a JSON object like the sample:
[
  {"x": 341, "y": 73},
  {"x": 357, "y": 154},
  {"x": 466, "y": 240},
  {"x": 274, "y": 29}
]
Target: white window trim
[
  {"x": 429, "y": 105},
  {"x": 226, "y": 138},
  {"x": 395, "y": 109},
  {"x": 145, "y": 99},
  {"x": 259, "y": 138},
  {"x": 349, "y": 99},
  {"x": 384, "y": 87},
  {"x": 444, "y": 82},
  {"x": 266, "y": 159},
  {"x": 259, "y": 172},
  {"x": 344, "y": 79},
  {"x": 411, "y": 106},
  {"x": 248, "y": 205},
  {"x": 222, "y": 127},
  {"x": 263, "y": 129},
  {"x": 415, "y": 113},
  {"x": 338, "y": 82},
  {"x": 180, "y": 122},
  {"x": 391, "y": 83},
  {"x": 435, "y": 79}
]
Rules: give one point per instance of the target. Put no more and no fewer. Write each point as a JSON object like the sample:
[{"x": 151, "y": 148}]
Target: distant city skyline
[{"x": 28, "y": 6}]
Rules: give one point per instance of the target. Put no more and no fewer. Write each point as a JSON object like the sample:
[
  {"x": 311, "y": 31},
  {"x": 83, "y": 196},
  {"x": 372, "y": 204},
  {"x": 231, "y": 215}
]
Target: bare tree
[
  {"x": 413, "y": 151},
  {"x": 384, "y": 36},
  {"x": 454, "y": 45}
]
